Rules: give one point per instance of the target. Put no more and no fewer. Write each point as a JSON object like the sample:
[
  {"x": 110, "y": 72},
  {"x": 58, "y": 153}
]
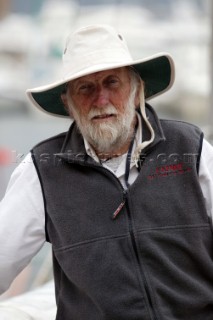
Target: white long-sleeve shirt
[{"x": 22, "y": 216}]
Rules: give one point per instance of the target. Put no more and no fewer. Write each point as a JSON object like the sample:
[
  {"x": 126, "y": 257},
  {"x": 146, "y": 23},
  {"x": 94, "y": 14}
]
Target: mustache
[{"x": 108, "y": 110}]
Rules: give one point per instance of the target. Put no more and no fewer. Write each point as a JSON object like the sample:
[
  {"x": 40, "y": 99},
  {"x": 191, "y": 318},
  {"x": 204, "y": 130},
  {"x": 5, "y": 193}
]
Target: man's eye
[
  {"x": 113, "y": 82},
  {"x": 85, "y": 88}
]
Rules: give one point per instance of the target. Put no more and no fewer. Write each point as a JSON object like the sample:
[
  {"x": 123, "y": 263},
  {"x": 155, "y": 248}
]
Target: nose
[{"x": 101, "y": 98}]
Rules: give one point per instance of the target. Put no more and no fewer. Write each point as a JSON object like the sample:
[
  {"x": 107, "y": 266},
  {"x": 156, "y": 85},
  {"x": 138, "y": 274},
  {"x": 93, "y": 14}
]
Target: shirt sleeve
[
  {"x": 22, "y": 222},
  {"x": 206, "y": 176}
]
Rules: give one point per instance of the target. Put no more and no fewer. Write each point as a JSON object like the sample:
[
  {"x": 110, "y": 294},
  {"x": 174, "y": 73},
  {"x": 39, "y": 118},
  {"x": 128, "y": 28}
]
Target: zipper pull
[{"x": 121, "y": 205}]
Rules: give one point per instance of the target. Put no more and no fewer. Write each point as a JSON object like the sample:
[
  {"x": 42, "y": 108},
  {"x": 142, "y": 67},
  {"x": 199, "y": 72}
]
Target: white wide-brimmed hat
[{"x": 96, "y": 48}]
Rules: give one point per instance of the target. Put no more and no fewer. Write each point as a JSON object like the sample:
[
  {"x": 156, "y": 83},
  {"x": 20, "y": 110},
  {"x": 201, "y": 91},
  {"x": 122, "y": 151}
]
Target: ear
[
  {"x": 65, "y": 103},
  {"x": 137, "y": 98},
  {"x": 64, "y": 100},
  {"x": 140, "y": 90}
]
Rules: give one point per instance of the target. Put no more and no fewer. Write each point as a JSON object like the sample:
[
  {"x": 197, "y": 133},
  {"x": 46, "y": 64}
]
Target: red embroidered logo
[{"x": 169, "y": 171}]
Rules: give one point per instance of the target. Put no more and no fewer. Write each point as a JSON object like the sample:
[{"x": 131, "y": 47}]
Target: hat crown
[
  {"x": 94, "y": 48},
  {"x": 97, "y": 48}
]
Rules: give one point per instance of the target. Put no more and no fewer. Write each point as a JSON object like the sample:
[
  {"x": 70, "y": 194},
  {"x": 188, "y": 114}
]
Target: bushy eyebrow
[
  {"x": 86, "y": 79},
  {"x": 83, "y": 81}
]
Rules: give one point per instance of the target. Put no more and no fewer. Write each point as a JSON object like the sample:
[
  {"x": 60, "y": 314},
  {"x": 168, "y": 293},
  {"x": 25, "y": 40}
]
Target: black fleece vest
[{"x": 154, "y": 261}]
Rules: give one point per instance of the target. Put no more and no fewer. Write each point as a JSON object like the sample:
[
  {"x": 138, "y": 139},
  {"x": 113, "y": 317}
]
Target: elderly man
[{"x": 124, "y": 198}]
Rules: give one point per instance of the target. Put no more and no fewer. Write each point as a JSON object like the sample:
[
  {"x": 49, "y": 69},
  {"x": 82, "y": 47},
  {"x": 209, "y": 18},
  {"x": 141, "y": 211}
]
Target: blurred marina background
[{"x": 32, "y": 37}]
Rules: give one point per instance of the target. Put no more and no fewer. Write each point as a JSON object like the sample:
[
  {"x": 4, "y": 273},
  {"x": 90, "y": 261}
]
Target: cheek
[
  {"x": 119, "y": 101},
  {"x": 81, "y": 105}
]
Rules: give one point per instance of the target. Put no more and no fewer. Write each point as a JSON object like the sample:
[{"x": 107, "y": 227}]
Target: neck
[{"x": 113, "y": 153}]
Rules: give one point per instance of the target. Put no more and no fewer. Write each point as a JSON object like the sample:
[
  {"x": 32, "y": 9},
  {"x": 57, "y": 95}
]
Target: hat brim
[{"x": 157, "y": 72}]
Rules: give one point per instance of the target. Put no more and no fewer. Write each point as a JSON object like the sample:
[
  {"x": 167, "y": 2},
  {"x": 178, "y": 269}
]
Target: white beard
[{"x": 107, "y": 137}]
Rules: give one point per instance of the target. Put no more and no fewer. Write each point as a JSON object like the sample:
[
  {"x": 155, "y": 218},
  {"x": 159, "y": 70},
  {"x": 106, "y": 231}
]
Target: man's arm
[
  {"x": 206, "y": 176},
  {"x": 38, "y": 304},
  {"x": 22, "y": 219}
]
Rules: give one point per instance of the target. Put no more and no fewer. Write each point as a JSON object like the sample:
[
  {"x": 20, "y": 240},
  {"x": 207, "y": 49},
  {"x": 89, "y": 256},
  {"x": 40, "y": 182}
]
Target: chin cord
[{"x": 141, "y": 146}]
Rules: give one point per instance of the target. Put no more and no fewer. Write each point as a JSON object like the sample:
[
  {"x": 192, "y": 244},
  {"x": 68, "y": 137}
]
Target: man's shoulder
[
  {"x": 180, "y": 127},
  {"x": 55, "y": 142},
  {"x": 173, "y": 126}
]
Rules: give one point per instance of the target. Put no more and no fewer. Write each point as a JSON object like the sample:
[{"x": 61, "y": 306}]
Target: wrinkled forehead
[{"x": 121, "y": 73}]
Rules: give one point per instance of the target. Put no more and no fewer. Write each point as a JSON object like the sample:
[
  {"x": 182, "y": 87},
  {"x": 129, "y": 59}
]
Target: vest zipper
[
  {"x": 132, "y": 236},
  {"x": 121, "y": 205},
  {"x": 146, "y": 288}
]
